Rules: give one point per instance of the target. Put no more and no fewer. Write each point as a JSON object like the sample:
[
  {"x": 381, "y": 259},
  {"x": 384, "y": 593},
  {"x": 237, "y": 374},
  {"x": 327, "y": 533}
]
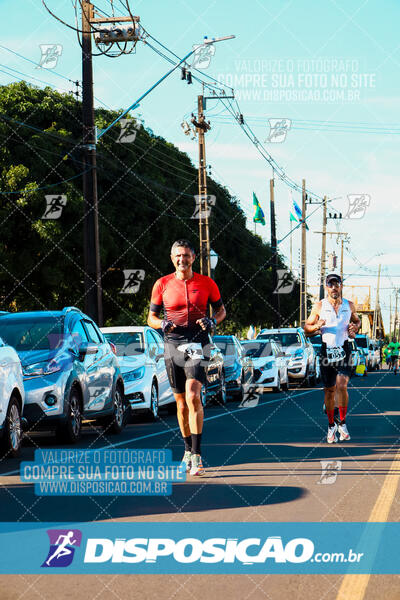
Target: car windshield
[
  {"x": 361, "y": 342},
  {"x": 226, "y": 346},
  {"x": 257, "y": 349},
  {"x": 316, "y": 340},
  {"x": 285, "y": 339},
  {"x": 34, "y": 333},
  {"x": 127, "y": 343}
]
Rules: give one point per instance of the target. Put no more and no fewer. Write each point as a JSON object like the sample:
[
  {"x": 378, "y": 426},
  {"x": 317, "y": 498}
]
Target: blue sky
[{"x": 288, "y": 47}]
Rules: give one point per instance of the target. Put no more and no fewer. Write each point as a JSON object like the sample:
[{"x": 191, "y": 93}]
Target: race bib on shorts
[
  {"x": 335, "y": 354},
  {"x": 193, "y": 351}
]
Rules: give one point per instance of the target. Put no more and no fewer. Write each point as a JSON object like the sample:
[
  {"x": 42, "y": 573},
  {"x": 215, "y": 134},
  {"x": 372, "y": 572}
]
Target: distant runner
[
  {"x": 184, "y": 297},
  {"x": 336, "y": 320},
  {"x": 394, "y": 348}
]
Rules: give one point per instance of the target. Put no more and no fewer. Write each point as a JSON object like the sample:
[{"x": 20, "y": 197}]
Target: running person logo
[
  {"x": 129, "y": 129},
  {"x": 358, "y": 204},
  {"x": 285, "y": 283},
  {"x": 50, "y": 55},
  {"x": 330, "y": 470},
  {"x": 63, "y": 543},
  {"x": 204, "y": 205},
  {"x": 133, "y": 280},
  {"x": 54, "y": 207},
  {"x": 278, "y": 129},
  {"x": 203, "y": 54}
]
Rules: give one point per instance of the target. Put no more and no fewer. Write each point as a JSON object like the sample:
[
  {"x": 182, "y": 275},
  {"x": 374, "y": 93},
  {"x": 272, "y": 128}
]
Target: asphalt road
[{"x": 263, "y": 464}]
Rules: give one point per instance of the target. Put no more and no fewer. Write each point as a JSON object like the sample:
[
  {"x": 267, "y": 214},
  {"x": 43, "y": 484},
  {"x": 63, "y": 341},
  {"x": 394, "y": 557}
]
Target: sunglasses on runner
[{"x": 333, "y": 283}]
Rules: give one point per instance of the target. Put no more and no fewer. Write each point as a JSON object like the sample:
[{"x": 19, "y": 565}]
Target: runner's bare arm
[
  {"x": 313, "y": 324},
  {"x": 153, "y": 320},
  {"x": 355, "y": 321}
]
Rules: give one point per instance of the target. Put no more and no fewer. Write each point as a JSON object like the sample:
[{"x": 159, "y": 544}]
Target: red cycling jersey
[{"x": 185, "y": 301}]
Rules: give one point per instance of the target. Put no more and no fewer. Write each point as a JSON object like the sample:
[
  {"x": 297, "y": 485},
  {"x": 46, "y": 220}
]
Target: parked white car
[
  {"x": 12, "y": 397},
  {"x": 140, "y": 352},
  {"x": 270, "y": 368},
  {"x": 300, "y": 355}
]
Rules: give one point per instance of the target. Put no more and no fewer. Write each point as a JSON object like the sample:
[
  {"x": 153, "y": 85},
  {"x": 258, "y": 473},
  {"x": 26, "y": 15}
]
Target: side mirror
[{"x": 87, "y": 348}]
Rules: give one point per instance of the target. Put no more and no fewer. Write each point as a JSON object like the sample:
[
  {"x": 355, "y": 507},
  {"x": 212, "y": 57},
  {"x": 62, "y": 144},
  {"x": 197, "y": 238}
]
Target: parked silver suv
[
  {"x": 70, "y": 371},
  {"x": 301, "y": 356}
]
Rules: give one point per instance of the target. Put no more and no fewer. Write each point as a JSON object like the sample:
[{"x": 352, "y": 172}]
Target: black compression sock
[
  {"x": 188, "y": 443},
  {"x": 196, "y": 443}
]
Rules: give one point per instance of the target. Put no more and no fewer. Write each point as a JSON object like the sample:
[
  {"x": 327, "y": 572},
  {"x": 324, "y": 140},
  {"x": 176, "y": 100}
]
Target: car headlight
[
  {"x": 268, "y": 365},
  {"x": 298, "y": 354},
  {"x": 41, "y": 368},
  {"x": 134, "y": 375}
]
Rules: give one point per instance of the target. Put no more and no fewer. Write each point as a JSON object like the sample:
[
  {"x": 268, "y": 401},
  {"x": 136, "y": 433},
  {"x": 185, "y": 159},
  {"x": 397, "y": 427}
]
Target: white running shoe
[
  {"x": 331, "y": 437},
  {"x": 344, "y": 434},
  {"x": 186, "y": 463},
  {"x": 197, "y": 466}
]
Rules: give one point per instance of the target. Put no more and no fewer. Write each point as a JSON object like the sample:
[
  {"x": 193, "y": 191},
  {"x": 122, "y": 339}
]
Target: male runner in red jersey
[{"x": 184, "y": 297}]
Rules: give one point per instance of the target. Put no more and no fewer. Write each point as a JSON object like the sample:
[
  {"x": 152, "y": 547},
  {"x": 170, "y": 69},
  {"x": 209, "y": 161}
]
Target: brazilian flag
[{"x": 259, "y": 216}]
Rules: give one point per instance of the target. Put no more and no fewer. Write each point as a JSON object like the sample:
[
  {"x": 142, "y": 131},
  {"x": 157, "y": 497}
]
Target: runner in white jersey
[{"x": 335, "y": 319}]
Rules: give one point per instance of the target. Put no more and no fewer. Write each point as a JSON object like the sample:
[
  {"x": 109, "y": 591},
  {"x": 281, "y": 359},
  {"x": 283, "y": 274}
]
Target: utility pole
[
  {"x": 390, "y": 315},
  {"x": 93, "y": 291},
  {"x": 275, "y": 297},
  {"x": 202, "y": 127},
  {"x": 323, "y": 251},
  {"x": 374, "y": 324},
  {"x": 395, "y": 318},
  {"x": 303, "y": 268}
]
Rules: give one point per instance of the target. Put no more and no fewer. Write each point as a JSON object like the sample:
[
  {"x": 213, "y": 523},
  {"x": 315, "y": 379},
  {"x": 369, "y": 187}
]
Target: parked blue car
[{"x": 70, "y": 371}]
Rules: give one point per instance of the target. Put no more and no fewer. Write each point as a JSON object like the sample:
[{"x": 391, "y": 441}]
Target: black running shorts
[
  {"x": 329, "y": 372},
  {"x": 183, "y": 361}
]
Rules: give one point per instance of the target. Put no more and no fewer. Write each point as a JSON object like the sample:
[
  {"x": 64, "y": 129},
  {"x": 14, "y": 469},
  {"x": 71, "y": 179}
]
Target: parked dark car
[{"x": 239, "y": 370}]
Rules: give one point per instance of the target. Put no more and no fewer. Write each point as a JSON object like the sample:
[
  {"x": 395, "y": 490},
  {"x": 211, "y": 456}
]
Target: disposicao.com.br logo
[
  {"x": 62, "y": 547},
  {"x": 247, "y": 551}
]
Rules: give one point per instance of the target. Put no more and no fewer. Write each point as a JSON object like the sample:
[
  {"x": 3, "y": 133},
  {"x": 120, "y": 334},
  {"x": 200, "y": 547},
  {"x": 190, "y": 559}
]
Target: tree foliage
[{"x": 146, "y": 200}]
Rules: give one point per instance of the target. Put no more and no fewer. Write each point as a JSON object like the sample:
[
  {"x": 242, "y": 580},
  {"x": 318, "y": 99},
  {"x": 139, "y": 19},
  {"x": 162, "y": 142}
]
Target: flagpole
[{"x": 291, "y": 246}]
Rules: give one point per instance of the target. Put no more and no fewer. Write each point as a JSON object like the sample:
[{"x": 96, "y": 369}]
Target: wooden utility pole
[
  {"x": 375, "y": 321},
  {"x": 303, "y": 266},
  {"x": 93, "y": 291},
  {"x": 202, "y": 127},
  {"x": 276, "y": 321},
  {"x": 323, "y": 251}
]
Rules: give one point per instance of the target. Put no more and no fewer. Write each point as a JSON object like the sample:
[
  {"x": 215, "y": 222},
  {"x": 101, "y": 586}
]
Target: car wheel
[
  {"x": 154, "y": 406},
  {"x": 220, "y": 398},
  {"x": 70, "y": 430},
  {"x": 12, "y": 435},
  {"x": 285, "y": 386},
  {"x": 306, "y": 380},
  {"x": 278, "y": 387},
  {"x": 118, "y": 419},
  {"x": 240, "y": 394}
]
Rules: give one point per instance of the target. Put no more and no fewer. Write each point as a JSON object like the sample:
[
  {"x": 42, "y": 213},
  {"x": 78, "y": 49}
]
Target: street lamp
[{"x": 213, "y": 262}]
